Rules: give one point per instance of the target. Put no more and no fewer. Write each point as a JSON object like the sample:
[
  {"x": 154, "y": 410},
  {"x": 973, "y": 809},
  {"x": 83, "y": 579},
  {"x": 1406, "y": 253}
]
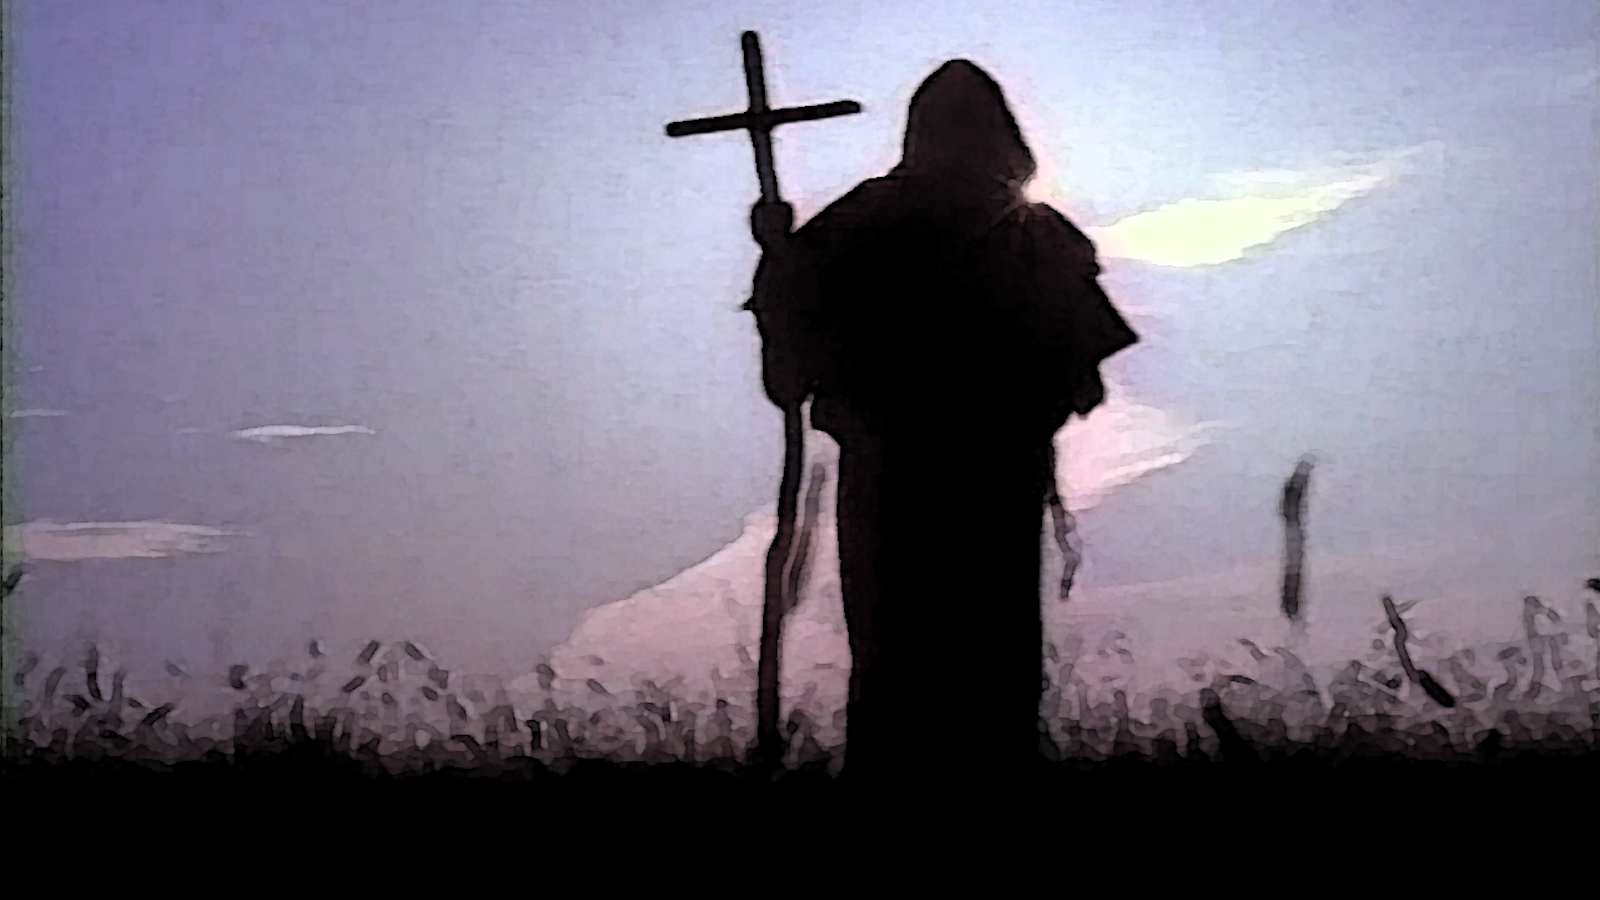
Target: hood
[{"x": 959, "y": 126}]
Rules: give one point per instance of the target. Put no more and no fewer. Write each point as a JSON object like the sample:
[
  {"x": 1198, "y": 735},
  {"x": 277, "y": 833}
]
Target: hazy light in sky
[
  {"x": 698, "y": 627},
  {"x": 1118, "y": 443},
  {"x": 38, "y": 413},
  {"x": 1195, "y": 232},
  {"x": 266, "y": 433},
  {"x": 111, "y": 540},
  {"x": 1549, "y": 78},
  {"x": 1271, "y": 202}
]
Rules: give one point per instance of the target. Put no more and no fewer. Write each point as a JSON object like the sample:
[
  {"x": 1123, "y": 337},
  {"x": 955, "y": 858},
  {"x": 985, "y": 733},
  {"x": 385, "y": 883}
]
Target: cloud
[
  {"x": 708, "y": 617},
  {"x": 112, "y": 540},
  {"x": 1195, "y": 232},
  {"x": 268, "y": 433},
  {"x": 1135, "y": 314},
  {"x": 38, "y": 413},
  {"x": 1119, "y": 443},
  {"x": 1257, "y": 208},
  {"x": 696, "y": 635}
]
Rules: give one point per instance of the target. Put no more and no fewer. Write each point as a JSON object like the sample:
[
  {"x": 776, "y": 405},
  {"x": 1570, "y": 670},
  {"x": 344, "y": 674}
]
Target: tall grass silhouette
[{"x": 396, "y": 709}]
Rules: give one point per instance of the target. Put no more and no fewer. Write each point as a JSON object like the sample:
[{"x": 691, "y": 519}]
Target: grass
[
  {"x": 330, "y": 759},
  {"x": 395, "y": 712}
]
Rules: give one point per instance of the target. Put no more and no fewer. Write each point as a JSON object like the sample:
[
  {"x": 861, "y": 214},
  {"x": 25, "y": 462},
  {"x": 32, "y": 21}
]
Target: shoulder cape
[{"x": 1046, "y": 280}]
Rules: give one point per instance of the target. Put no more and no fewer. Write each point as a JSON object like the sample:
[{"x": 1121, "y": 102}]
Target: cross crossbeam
[
  {"x": 760, "y": 120},
  {"x": 763, "y": 121}
]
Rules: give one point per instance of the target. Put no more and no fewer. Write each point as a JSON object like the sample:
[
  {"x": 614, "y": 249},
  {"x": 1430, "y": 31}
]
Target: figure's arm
[
  {"x": 771, "y": 225},
  {"x": 1071, "y": 312},
  {"x": 784, "y": 304},
  {"x": 1077, "y": 262}
]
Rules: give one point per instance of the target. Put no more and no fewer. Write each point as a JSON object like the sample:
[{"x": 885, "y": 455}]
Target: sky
[{"x": 337, "y": 319}]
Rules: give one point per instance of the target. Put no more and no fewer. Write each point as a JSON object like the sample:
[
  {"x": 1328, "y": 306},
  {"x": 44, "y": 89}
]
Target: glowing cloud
[
  {"x": 268, "y": 433},
  {"x": 700, "y": 628},
  {"x": 112, "y": 540},
  {"x": 1251, "y": 209},
  {"x": 1196, "y": 232},
  {"x": 1119, "y": 443}
]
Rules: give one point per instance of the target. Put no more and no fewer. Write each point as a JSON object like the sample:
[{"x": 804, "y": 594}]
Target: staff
[{"x": 759, "y": 121}]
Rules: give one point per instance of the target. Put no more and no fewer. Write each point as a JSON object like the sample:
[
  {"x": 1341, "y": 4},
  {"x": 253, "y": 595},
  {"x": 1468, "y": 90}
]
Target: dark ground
[{"x": 302, "y": 782}]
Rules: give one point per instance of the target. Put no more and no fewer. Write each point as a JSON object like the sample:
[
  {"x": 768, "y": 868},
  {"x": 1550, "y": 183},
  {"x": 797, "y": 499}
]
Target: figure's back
[
  {"x": 937, "y": 294},
  {"x": 892, "y": 292},
  {"x": 946, "y": 329},
  {"x": 931, "y": 311}
]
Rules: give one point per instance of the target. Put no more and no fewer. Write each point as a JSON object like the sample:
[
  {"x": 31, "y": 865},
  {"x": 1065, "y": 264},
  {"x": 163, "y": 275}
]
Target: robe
[{"x": 944, "y": 342}]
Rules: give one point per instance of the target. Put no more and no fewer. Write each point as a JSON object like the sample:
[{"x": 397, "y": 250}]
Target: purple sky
[{"x": 460, "y": 226}]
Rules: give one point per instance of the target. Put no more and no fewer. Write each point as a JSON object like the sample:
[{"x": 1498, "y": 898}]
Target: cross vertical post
[
  {"x": 759, "y": 119},
  {"x": 755, "y": 82}
]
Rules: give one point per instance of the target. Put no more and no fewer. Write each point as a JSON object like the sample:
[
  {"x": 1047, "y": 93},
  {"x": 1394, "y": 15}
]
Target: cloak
[
  {"x": 945, "y": 329},
  {"x": 936, "y": 289}
]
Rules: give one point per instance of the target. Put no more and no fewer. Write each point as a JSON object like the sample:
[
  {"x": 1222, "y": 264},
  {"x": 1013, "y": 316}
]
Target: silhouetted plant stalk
[
  {"x": 1539, "y": 646},
  {"x": 1592, "y": 623},
  {"x": 10, "y": 583},
  {"x": 1293, "y": 511},
  {"x": 1422, "y": 679},
  {"x": 1066, "y": 530}
]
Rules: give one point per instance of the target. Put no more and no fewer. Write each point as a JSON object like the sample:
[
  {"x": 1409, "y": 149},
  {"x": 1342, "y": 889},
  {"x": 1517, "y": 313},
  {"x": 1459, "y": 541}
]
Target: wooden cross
[{"x": 759, "y": 120}]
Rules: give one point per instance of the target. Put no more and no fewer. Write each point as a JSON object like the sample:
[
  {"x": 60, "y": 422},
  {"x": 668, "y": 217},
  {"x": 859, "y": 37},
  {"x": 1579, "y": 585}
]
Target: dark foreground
[{"x": 304, "y": 781}]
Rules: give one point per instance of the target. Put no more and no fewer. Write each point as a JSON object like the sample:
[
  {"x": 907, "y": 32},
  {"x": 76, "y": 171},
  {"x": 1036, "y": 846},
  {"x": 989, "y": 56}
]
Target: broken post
[
  {"x": 1418, "y": 677},
  {"x": 1293, "y": 510}
]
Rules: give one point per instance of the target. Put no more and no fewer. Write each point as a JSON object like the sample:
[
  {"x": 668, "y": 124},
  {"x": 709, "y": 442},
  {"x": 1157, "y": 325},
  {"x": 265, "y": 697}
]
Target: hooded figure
[{"x": 945, "y": 329}]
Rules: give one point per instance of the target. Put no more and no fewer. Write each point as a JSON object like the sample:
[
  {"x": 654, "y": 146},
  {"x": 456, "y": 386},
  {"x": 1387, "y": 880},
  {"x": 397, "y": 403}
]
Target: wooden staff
[{"x": 759, "y": 121}]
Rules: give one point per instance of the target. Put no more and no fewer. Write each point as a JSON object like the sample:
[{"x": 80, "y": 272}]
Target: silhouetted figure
[{"x": 945, "y": 329}]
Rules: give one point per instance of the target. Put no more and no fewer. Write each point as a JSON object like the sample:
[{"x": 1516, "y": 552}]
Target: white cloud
[
  {"x": 1141, "y": 313},
  {"x": 38, "y": 413},
  {"x": 269, "y": 433},
  {"x": 703, "y": 617},
  {"x": 1195, "y": 232},
  {"x": 1118, "y": 443},
  {"x": 1257, "y": 207},
  {"x": 112, "y": 540},
  {"x": 696, "y": 635}
]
